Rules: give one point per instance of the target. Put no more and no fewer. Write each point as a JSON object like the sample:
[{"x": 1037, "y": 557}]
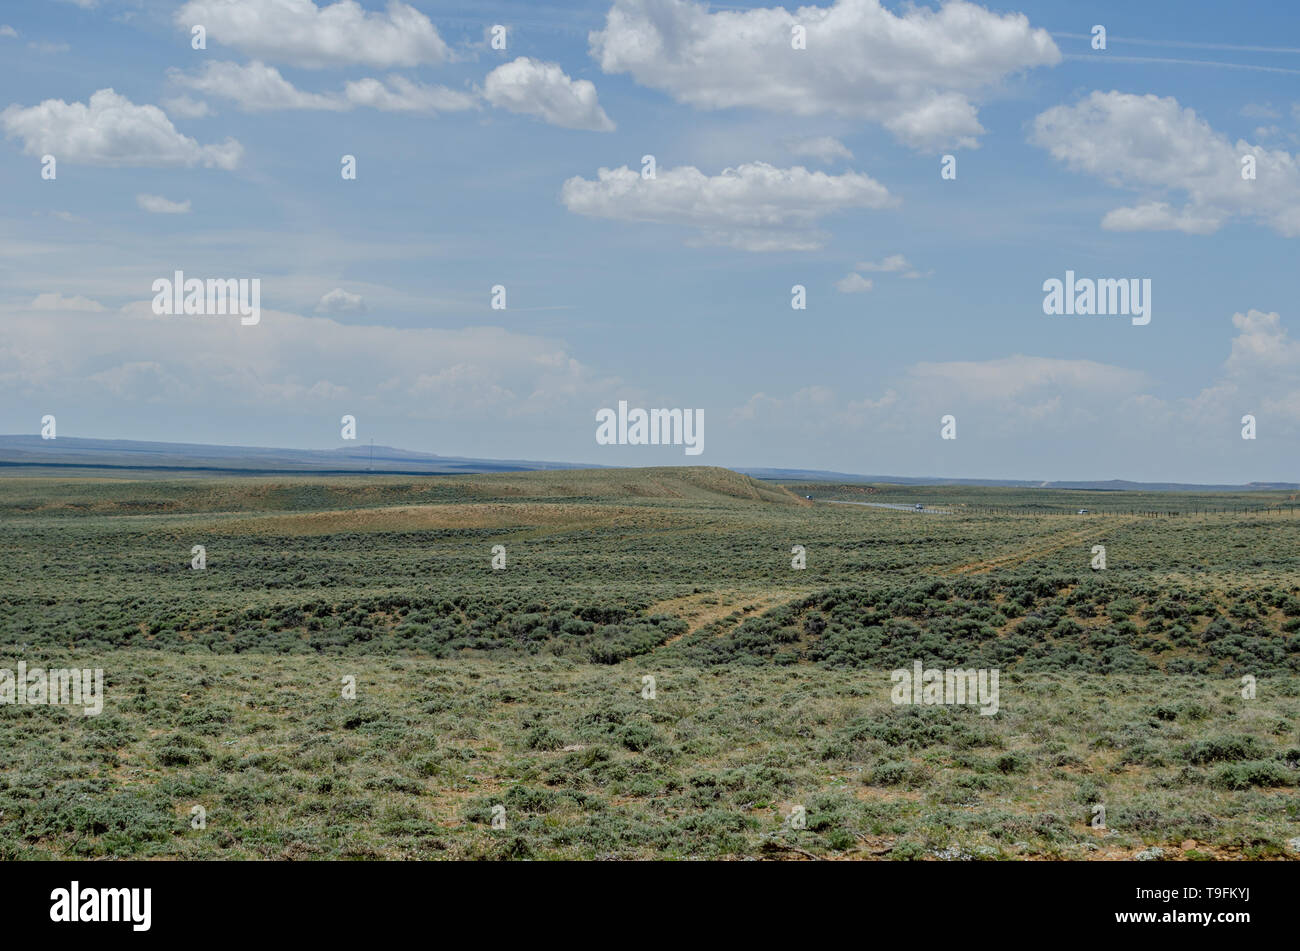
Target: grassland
[{"x": 522, "y": 687}]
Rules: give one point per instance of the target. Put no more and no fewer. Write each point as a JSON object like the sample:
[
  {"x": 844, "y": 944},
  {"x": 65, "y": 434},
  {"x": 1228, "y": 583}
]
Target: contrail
[
  {"x": 1185, "y": 44},
  {"x": 1104, "y": 57}
]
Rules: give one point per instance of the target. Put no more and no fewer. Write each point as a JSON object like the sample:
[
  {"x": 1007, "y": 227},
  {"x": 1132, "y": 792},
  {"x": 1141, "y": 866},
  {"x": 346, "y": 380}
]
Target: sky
[{"x": 774, "y": 166}]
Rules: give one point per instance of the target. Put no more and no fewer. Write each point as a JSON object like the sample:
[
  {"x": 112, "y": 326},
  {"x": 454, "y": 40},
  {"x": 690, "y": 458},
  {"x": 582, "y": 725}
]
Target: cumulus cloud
[
  {"x": 824, "y": 148},
  {"x": 183, "y": 107},
  {"x": 111, "y": 130},
  {"x": 256, "y": 87},
  {"x": 400, "y": 94},
  {"x": 486, "y": 373},
  {"x": 853, "y": 284},
  {"x": 158, "y": 205},
  {"x": 540, "y": 89},
  {"x": 1261, "y": 347},
  {"x": 1020, "y": 377},
  {"x": 918, "y": 73},
  {"x": 754, "y": 207},
  {"x": 1159, "y": 216},
  {"x": 1007, "y": 398},
  {"x": 299, "y": 33},
  {"x": 895, "y": 262},
  {"x": 9, "y": 31},
  {"x": 1261, "y": 376},
  {"x": 56, "y": 301},
  {"x": 1103, "y": 418},
  {"x": 339, "y": 301},
  {"x": 1154, "y": 146},
  {"x": 1254, "y": 110}
]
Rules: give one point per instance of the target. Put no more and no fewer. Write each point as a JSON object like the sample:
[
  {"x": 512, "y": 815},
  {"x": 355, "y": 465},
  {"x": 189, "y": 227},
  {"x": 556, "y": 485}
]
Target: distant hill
[
  {"x": 699, "y": 483},
  {"x": 71, "y": 452},
  {"x": 1109, "y": 485},
  {"x": 28, "y": 453},
  {"x": 360, "y": 502}
]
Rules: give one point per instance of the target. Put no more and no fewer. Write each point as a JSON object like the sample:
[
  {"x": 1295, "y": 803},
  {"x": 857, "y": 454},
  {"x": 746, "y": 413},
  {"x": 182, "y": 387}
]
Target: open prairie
[{"x": 648, "y": 675}]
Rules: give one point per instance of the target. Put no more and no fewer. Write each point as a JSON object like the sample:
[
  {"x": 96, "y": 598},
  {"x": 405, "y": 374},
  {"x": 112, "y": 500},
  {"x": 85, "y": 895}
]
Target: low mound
[
  {"x": 73, "y": 497},
  {"x": 663, "y": 482}
]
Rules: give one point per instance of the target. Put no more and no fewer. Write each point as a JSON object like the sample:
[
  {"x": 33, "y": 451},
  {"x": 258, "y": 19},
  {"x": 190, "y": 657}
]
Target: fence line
[{"x": 1280, "y": 510}]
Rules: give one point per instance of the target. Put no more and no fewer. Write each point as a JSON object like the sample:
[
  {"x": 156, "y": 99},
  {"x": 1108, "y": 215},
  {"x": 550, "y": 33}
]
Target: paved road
[{"x": 888, "y": 505}]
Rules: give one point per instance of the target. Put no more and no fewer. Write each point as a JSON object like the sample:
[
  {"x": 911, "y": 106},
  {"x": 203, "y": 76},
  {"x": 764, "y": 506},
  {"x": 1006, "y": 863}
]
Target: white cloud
[
  {"x": 1154, "y": 146},
  {"x": 257, "y": 87},
  {"x": 111, "y": 130},
  {"x": 540, "y": 89},
  {"x": 1022, "y": 378},
  {"x": 824, "y": 148},
  {"x": 403, "y": 95},
  {"x": 1158, "y": 216},
  {"x": 1098, "y": 413},
  {"x": 6, "y": 30},
  {"x": 755, "y": 207},
  {"x": 1261, "y": 347},
  {"x": 183, "y": 107},
  {"x": 291, "y": 362},
  {"x": 895, "y": 262},
  {"x": 1015, "y": 398},
  {"x": 158, "y": 205},
  {"x": 761, "y": 406},
  {"x": 853, "y": 284},
  {"x": 1252, "y": 110},
  {"x": 45, "y": 47},
  {"x": 339, "y": 301},
  {"x": 916, "y": 73},
  {"x": 57, "y": 301},
  {"x": 299, "y": 33},
  {"x": 1260, "y": 377}
]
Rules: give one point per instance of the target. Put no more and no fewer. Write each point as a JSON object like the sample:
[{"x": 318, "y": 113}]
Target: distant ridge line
[
  {"x": 230, "y": 470},
  {"x": 19, "y": 451},
  {"x": 1108, "y": 485}
]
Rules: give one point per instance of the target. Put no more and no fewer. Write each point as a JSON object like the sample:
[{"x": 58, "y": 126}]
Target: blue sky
[{"x": 1120, "y": 163}]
